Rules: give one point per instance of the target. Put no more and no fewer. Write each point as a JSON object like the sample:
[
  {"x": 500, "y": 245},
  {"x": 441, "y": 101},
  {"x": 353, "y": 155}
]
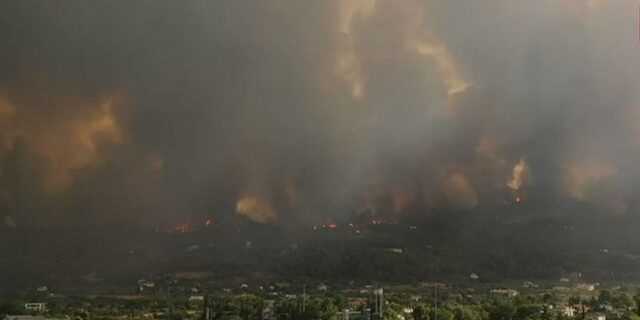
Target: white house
[
  {"x": 568, "y": 311},
  {"x": 36, "y": 306}
]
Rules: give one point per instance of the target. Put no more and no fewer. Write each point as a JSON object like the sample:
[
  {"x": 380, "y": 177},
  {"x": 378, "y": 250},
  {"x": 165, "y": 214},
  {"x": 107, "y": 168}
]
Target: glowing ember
[
  {"x": 182, "y": 228},
  {"x": 328, "y": 225},
  {"x": 208, "y": 223},
  {"x": 518, "y": 199}
]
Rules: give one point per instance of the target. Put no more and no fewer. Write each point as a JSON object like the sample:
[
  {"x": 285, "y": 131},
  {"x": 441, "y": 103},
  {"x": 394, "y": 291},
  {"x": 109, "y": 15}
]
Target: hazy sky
[{"x": 156, "y": 112}]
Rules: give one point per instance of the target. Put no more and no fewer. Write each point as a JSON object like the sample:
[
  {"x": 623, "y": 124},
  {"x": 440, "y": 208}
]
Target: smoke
[{"x": 293, "y": 112}]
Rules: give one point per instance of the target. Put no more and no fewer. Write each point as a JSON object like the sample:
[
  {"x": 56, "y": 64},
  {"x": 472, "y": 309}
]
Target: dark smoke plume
[{"x": 150, "y": 113}]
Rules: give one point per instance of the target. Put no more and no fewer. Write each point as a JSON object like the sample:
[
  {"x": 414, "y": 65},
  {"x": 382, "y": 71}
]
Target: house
[
  {"x": 568, "y": 311},
  {"x": 348, "y": 314},
  {"x": 357, "y": 302},
  {"x": 510, "y": 293},
  {"x": 580, "y": 309},
  {"x": 586, "y": 286},
  {"x": 35, "y": 306},
  {"x": 145, "y": 284}
]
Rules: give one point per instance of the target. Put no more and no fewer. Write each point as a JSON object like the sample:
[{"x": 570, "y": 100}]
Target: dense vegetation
[
  {"x": 452, "y": 304},
  {"x": 524, "y": 242}
]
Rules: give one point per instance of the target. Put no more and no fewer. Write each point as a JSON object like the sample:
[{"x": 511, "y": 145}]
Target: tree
[
  {"x": 622, "y": 301},
  {"x": 605, "y": 297},
  {"x": 465, "y": 313},
  {"x": 502, "y": 311},
  {"x": 419, "y": 313},
  {"x": 11, "y": 308}
]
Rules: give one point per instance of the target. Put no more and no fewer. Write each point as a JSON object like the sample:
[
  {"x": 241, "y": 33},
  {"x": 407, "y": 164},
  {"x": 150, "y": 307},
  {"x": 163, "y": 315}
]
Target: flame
[
  {"x": 184, "y": 227},
  {"x": 327, "y": 225},
  {"x": 518, "y": 175},
  {"x": 451, "y": 77},
  {"x": 6, "y": 108},
  {"x": 592, "y": 181},
  {"x": 584, "y": 174},
  {"x": 401, "y": 198},
  {"x": 208, "y": 223},
  {"x": 255, "y": 209},
  {"x": 348, "y": 66},
  {"x": 85, "y": 137},
  {"x": 488, "y": 149},
  {"x": 518, "y": 199},
  {"x": 330, "y": 225},
  {"x": 69, "y": 142},
  {"x": 427, "y": 45},
  {"x": 459, "y": 191},
  {"x": 290, "y": 192}
]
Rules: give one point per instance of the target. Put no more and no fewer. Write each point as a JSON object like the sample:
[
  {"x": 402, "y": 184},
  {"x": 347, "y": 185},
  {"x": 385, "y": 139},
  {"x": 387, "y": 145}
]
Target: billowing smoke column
[{"x": 294, "y": 112}]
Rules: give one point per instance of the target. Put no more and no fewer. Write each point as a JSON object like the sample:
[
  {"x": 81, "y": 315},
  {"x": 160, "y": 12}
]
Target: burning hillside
[{"x": 323, "y": 113}]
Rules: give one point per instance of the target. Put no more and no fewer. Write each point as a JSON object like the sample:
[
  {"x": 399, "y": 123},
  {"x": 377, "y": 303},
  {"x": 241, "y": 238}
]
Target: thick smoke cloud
[{"x": 294, "y": 112}]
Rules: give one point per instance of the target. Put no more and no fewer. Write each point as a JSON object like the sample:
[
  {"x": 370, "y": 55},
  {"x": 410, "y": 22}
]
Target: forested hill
[{"x": 498, "y": 244}]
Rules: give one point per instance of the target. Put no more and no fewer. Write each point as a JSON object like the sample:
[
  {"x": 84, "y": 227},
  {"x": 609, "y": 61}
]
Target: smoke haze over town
[{"x": 295, "y": 113}]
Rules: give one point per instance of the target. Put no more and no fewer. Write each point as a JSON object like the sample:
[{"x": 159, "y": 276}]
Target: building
[
  {"x": 145, "y": 285},
  {"x": 348, "y": 314},
  {"x": 586, "y": 286},
  {"x": 510, "y": 293},
  {"x": 35, "y": 306},
  {"x": 568, "y": 311},
  {"x": 208, "y": 312}
]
